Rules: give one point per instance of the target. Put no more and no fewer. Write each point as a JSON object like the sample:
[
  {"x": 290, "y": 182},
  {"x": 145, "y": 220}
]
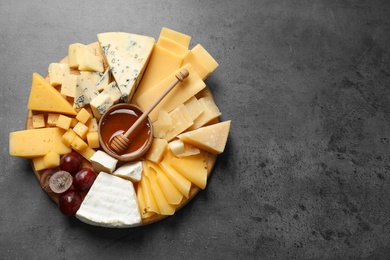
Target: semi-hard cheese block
[
  {"x": 177, "y": 96},
  {"x": 211, "y": 138},
  {"x": 172, "y": 46},
  {"x": 162, "y": 63},
  {"x": 43, "y": 97},
  {"x": 176, "y": 36},
  {"x": 203, "y": 62},
  {"x": 76, "y": 53},
  {"x": 127, "y": 56},
  {"x": 57, "y": 71},
  {"x": 37, "y": 142},
  {"x": 111, "y": 202}
]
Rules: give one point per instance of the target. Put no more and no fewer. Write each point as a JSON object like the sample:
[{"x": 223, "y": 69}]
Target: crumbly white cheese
[{"x": 111, "y": 202}]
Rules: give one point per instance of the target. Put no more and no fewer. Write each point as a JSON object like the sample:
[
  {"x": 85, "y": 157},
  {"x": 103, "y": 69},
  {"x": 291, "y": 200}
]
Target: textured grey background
[{"x": 306, "y": 171}]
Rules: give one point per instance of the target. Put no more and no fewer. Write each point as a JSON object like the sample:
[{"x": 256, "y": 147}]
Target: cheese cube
[
  {"x": 78, "y": 144},
  {"x": 194, "y": 107},
  {"x": 38, "y": 164},
  {"x": 52, "y": 119},
  {"x": 210, "y": 138},
  {"x": 64, "y": 122},
  {"x": 210, "y": 112},
  {"x": 76, "y": 52},
  {"x": 83, "y": 116},
  {"x": 68, "y": 137},
  {"x": 51, "y": 160},
  {"x": 74, "y": 122},
  {"x": 114, "y": 92},
  {"x": 92, "y": 125},
  {"x": 85, "y": 91},
  {"x": 68, "y": 86},
  {"x": 87, "y": 153},
  {"x": 56, "y": 73},
  {"x": 38, "y": 121},
  {"x": 100, "y": 104},
  {"x": 131, "y": 171},
  {"x": 91, "y": 62},
  {"x": 37, "y": 142},
  {"x": 157, "y": 150},
  {"x": 81, "y": 130},
  {"x": 101, "y": 161},
  {"x": 176, "y": 146},
  {"x": 93, "y": 139}
]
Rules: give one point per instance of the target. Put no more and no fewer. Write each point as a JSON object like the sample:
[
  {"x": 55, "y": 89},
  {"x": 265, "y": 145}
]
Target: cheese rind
[
  {"x": 127, "y": 56},
  {"x": 111, "y": 202},
  {"x": 43, "y": 97},
  {"x": 37, "y": 142},
  {"x": 103, "y": 162}
]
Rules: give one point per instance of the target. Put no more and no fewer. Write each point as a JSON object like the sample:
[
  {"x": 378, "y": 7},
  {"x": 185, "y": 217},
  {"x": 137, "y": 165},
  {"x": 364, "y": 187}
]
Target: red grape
[
  {"x": 71, "y": 162},
  {"x": 69, "y": 202},
  {"x": 60, "y": 181},
  {"x": 45, "y": 179},
  {"x": 84, "y": 179}
]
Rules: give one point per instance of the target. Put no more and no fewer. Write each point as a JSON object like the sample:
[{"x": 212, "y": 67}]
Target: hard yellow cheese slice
[
  {"x": 178, "y": 37},
  {"x": 37, "y": 142},
  {"x": 194, "y": 168},
  {"x": 210, "y": 138},
  {"x": 43, "y": 97},
  {"x": 177, "y": 96}
]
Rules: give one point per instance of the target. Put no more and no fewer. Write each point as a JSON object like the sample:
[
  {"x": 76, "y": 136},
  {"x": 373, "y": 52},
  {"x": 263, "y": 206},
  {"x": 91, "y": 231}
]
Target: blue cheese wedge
[
  {"x": 85, "y": 90},
  {"x": 103, "y": 81},
  {"x": 127, "y": 56},
  {"x": 111, "y": 202},
  {"x": 100, "y": 104}
]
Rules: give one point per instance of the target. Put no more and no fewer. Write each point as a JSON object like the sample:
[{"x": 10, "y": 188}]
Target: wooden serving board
[{"x": 211, "y": 158}]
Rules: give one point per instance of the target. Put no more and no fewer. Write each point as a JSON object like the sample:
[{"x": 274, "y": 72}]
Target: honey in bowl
[{"x": 116, "y": 120}]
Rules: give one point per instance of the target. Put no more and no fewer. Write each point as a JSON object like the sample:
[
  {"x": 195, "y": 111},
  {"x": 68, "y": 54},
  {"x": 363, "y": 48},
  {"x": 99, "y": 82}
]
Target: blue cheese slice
[
  {"x": 111, "y": 202},
  {"x": 127, "y": 56},
  {"x": 85, "y": 90}
]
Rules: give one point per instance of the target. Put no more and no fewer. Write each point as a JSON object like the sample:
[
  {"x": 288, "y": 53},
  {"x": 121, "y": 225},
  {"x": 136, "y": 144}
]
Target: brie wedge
[{"x": 111, "y": 202}]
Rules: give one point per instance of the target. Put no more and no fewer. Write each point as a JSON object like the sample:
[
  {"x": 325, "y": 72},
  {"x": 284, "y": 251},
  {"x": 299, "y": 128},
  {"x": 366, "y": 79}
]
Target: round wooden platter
[{"x": 210, "y": 160}]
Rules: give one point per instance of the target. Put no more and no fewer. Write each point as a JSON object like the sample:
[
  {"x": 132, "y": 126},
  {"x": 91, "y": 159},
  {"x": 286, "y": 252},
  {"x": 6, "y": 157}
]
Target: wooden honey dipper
[{"x": 120, "y": 142}]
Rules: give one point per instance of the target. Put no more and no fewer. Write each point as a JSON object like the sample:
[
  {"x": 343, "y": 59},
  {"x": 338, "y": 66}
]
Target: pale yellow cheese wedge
[
  {"x": 194, "y": 168},
  {"x": 157, "y": 150},
  {"x": 172, "y": 46},
  {"x": 210, "y": 112},
  {"x": 205, "y": 57},
  {"x": 161, "y": 64},
  {"x": 37, "y": 142},
  {"x": 181, "y": 183},
  {"x": 150, "y": 202},
  {"x": 176, "y": 36},
  {"x": 177, "y": 96},
  {"x": 43, "y": 97},
  {"x": 142, "y": 204},
  {"x": 210, "y": 138},
  {"x": 162, "y": 203},
  {"x": 171, "y": 193}
]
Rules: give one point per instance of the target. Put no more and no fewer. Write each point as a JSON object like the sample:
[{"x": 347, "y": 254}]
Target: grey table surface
[{"x": 306, "y": 170}]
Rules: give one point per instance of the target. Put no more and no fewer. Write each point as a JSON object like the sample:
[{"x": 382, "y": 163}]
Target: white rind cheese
[
  {"x": 111, "y": 202},
  {"x": 102, "y": 162},
  {"x": 131, "y": 171},
  {"x": 127, "y": 56}
]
